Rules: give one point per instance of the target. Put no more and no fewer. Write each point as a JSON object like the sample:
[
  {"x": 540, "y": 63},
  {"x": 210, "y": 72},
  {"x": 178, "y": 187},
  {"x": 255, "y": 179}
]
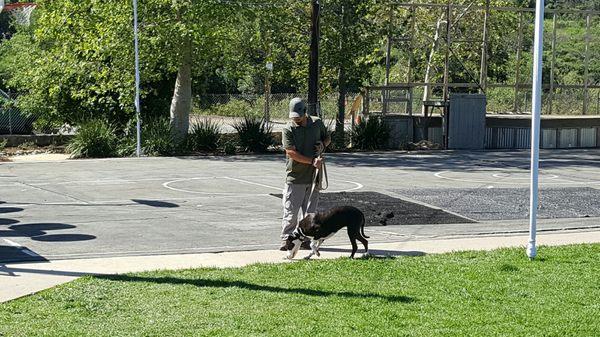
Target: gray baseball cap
[{"x": 297, "y": 108}]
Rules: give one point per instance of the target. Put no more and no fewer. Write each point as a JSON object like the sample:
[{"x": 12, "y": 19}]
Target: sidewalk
[{"x": 21, "y": 279}]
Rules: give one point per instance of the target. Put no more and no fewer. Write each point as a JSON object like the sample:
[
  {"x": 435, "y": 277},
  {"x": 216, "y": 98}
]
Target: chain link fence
[
  {"x": 275, "y": 108},
  {"x": 13, "y": 121}
]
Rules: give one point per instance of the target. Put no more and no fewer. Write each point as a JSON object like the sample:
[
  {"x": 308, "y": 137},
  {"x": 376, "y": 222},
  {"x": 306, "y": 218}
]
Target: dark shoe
[{"x": 305, "y": 245}]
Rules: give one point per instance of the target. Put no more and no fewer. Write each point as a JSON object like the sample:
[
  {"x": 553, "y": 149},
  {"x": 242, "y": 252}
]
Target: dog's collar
[{"x": 299, "y": 234}]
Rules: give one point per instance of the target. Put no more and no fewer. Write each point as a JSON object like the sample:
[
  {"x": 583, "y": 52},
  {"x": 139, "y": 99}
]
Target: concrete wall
[
  {"x": 558, "y": 132},
  {"x": 40, "y": 140},
  {"x": 503, "y": 132}
]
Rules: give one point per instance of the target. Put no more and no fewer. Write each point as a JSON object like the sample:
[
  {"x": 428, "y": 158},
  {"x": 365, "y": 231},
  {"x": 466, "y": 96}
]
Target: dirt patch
[
  {"x": 30, "y": 148},
  {"x": 423, "y": 146},
  {"x": 32, "y": 152},
  {"x": 384, "y": 210},
  {"x": 40, "y": 157}
]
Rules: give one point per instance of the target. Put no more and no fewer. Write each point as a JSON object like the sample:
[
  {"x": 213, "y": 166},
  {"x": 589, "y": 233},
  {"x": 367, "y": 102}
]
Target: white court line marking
[
  {"x": 510, "y": 176},
  {"x": 12, "y": 243},
  {"x": 252, "y": 183},
  {"x": 478, "y": 181},
  {"x": 28, "y": 252},
  {"x": 110, "y": 181},
  {"x": 57, "y": 193},
  {"x": 23, "y": 249},
  {"x": 166, "y": 185},
  {"x": 357, "y": 187}
]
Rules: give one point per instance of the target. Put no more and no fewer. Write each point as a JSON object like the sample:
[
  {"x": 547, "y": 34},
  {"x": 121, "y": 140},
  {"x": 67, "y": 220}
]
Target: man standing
[{"x": 304, "y": 138}]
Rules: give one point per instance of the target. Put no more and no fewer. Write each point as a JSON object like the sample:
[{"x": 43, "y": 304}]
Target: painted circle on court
[
  {"x": 172, "y": 185},
  {"x": 522, "y": 176},
  {"x": 511, "y": 178}
]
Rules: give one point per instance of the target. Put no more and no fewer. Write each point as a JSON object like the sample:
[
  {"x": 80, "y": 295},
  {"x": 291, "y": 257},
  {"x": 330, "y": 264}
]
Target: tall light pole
[
  {"x": 138, "y": 149},
  {"x": 536, "y": 107}
]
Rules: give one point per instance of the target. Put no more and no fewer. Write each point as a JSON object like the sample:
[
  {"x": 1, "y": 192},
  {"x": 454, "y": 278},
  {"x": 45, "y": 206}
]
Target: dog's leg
[
  {"x": 353, "y": 234},
  {"x": 294, "y": 251},
  {"x": 365, "y": 243},
  {"x": 319, "y": 243},
  {"x": 314, "y": 245},
  {"x": 354, "y": 246}
]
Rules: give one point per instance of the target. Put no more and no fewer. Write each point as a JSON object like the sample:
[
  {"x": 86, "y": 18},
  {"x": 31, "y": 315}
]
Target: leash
[{"x": 318, "y": 177}]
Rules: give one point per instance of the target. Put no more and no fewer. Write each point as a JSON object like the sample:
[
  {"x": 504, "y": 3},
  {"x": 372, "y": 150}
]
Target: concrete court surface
[{"x": 77, "y": 209}]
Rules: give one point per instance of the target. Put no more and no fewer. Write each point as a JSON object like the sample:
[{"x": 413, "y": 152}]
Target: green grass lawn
[{"x": 498, "y": 293}]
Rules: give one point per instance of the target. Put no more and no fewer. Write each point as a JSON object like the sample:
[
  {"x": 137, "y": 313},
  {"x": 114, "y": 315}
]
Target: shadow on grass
[
  {"x": 205, "y": 283},
  {"x": 376, "y": 253}
]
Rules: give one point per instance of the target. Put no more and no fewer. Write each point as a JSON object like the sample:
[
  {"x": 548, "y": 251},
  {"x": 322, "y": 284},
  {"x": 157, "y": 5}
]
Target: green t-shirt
[{"x": 304, "y": 139}]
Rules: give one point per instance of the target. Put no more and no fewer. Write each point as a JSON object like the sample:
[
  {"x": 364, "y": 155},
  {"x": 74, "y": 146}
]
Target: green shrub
[
  {"x": 338, "y": 144},
  {"x": 94, "y": 139},
  {"x": 254, "y": 134},
  {"x": 158, "y": 138},
  {"x": 204, "y": 136},
  {"x": 371, "y": 134},
  {"x": 127, "y": 145},
  {"x": 3, "y": 143}
]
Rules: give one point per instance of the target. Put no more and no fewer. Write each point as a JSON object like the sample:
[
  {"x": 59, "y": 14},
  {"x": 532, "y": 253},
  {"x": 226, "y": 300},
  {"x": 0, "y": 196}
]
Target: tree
[
  {"x": 348, "y": 41},
  {"x": 76, "y": 61}
]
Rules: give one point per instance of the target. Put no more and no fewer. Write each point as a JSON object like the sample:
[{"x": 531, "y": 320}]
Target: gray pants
[{"x": 295, "y": 199}]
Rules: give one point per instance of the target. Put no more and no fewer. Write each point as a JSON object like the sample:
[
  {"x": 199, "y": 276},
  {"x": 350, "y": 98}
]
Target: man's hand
[
  {"x": 320, "y": 147},
  {"x": 317, "y": 163}
]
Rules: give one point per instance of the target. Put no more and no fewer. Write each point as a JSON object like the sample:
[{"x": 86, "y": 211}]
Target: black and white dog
[{"x": 321, "y": 226}]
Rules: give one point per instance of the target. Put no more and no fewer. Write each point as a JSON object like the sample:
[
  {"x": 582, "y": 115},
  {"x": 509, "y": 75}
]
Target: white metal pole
[
  {"x": 137, "y": 79},
  {"x": 536, "y": 107}
]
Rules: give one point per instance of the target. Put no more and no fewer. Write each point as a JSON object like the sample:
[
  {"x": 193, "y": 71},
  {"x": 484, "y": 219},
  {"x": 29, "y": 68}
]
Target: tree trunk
[
  {"x": 436, "y": 39},
  {"x": 181, "y": 104}
]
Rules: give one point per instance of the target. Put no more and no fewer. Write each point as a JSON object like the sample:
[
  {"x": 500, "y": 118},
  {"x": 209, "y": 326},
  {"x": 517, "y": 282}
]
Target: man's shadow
[{"x": 208, "y": 283}]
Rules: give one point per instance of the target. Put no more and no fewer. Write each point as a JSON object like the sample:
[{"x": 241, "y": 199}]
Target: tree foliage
[{"x": 74, "y": 63}]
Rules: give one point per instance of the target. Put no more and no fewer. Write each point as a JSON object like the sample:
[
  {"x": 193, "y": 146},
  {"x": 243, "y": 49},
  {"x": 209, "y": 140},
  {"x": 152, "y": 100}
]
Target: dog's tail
[{"x": 362, "y": 227}]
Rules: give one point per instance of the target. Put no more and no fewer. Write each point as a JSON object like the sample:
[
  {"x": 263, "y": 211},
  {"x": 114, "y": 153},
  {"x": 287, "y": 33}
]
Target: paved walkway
[{"x": 21, "y": 279}]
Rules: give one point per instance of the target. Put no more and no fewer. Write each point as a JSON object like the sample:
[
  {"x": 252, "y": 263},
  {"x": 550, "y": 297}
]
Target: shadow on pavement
[{"x": 155, "y": 203}]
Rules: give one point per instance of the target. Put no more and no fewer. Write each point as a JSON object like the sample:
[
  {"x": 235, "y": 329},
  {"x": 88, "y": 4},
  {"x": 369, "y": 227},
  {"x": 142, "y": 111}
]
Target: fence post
[
  {"x": 10, "y": 132},
  {"x": 552, "y": 65},
  {"x": 586, "y": 96},
  {"x": 516, "y": 105}
]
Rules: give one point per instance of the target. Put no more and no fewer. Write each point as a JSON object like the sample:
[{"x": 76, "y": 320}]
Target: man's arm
[{"x": 298, "y": 157}]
